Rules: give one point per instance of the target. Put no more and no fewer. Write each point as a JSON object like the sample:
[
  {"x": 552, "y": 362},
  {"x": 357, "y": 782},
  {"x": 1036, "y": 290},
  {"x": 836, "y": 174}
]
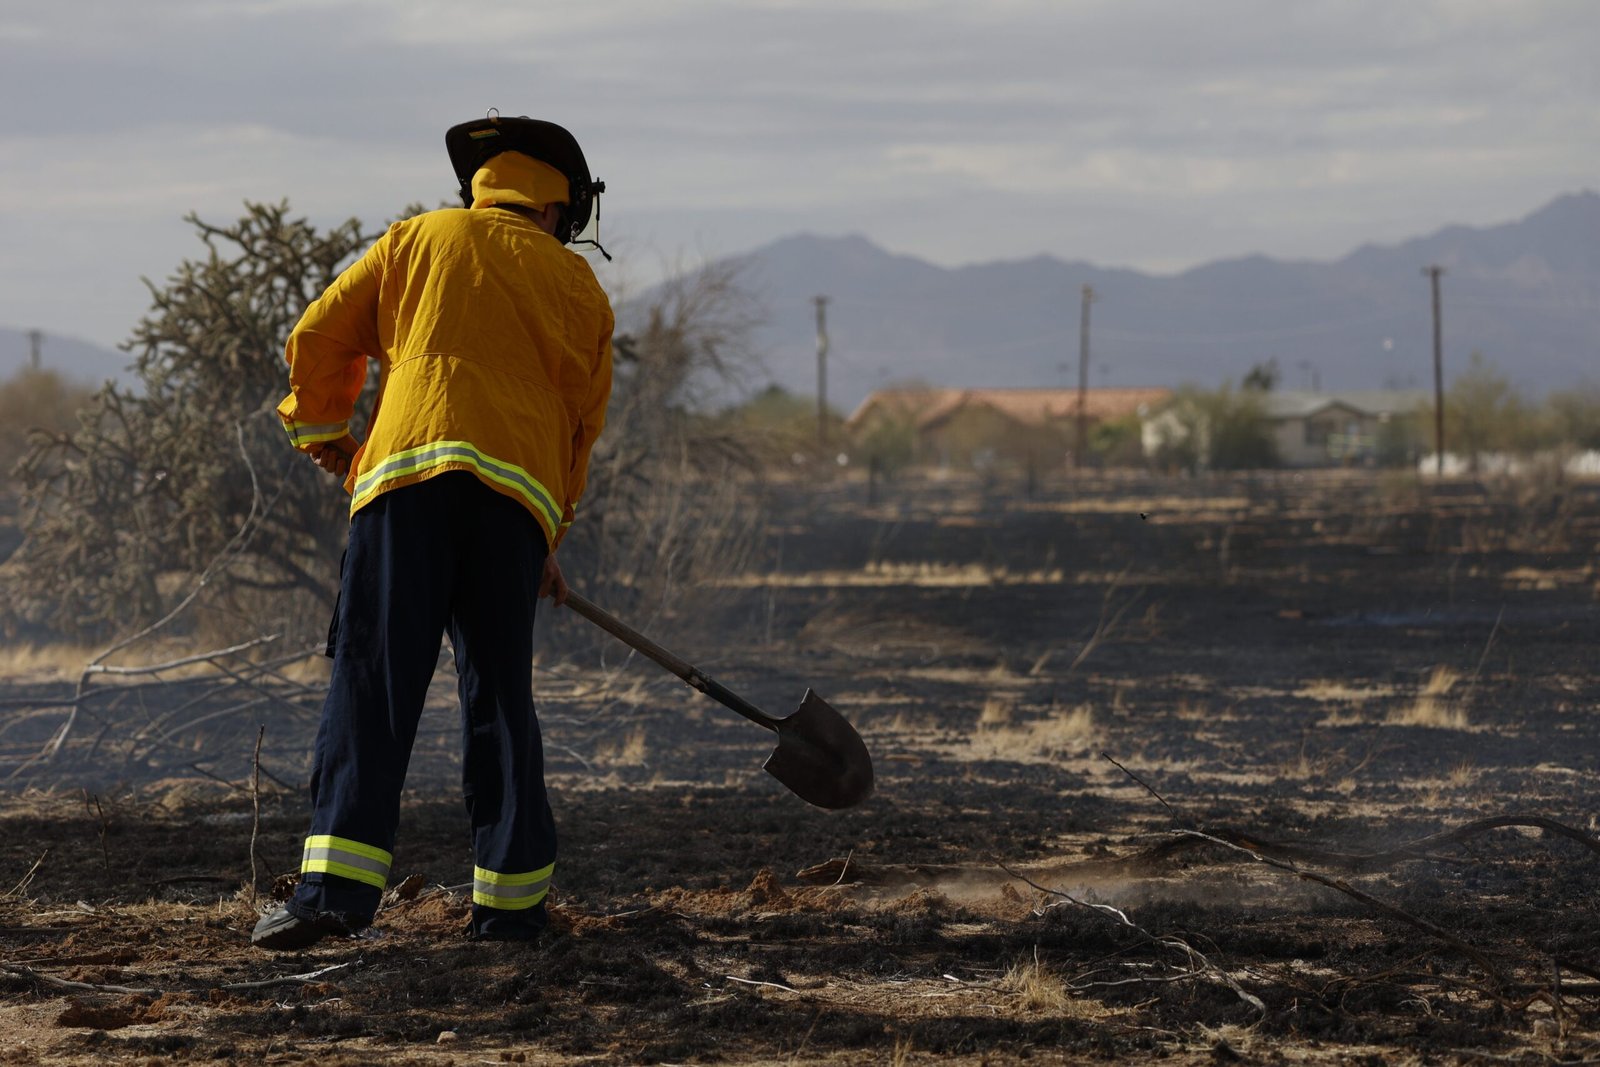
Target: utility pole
[
  {"x": 1433, "y": 273},
  {"x": 35, "y": 347},
  {"x": 822, "y": 373},
  {"x": 1082, "y": 446}
]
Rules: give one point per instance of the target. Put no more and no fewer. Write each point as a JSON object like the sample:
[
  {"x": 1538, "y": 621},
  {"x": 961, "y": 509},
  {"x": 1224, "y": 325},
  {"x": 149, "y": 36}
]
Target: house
[
  {"x": 962, "y": 427},
  {"x": 1338, "y": 429},
  {"x": 1316, "y": 429}
]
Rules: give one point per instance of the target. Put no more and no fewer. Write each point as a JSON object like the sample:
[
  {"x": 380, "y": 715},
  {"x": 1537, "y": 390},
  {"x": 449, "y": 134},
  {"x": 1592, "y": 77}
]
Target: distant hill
[
  {"x": 1526, "y": 294},
  {"x": 79, "y": 360}
]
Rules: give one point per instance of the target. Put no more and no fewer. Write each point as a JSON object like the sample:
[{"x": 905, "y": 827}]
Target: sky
[{"x": 1153, "y": 134}]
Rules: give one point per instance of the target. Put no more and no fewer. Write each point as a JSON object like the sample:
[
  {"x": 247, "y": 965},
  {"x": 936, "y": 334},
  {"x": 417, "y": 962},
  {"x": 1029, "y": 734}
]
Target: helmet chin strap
[{"x": 598, "y": 188}]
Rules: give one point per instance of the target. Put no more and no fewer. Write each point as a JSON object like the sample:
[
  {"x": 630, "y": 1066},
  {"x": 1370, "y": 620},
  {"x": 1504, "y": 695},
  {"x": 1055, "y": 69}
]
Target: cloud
[{"x": 1128, "y": 131}]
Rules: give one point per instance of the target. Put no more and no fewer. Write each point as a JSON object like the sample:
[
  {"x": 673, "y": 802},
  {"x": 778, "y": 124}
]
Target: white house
[{"x": 1313, "y": 429}]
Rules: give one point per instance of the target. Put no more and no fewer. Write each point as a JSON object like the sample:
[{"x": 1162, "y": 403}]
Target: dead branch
[
  {"x": 203, "y": 657},
  {"x": 1107, "y": 624},
  {"x": 1147, "y": 787},
  {"x": 1487, "y": 645},
  {"x": 230, "y": 552},
  {"x": 1339, "y": 885},
  {"x": 78, "y": 987},
  {"x": 23, "y": 971},
  {"x": 287, "y": 979},
  {"x": 771, "y": 985},
  {"x": 26, "y": 879},
  {"x": 1199, "y": 965},
  {"x": 1365, "y": 862}
]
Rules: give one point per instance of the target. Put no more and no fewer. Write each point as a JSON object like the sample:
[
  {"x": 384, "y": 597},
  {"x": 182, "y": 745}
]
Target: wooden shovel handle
[{"x": 678, "y": 666}]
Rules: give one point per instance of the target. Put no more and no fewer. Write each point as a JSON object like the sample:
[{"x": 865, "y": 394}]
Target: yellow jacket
[{"x": 494, "y": 345}]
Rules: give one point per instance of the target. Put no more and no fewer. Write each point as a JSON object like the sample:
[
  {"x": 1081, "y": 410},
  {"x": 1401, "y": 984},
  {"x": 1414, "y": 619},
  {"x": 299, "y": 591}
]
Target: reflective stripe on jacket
[{"x": 494, "y": 346}]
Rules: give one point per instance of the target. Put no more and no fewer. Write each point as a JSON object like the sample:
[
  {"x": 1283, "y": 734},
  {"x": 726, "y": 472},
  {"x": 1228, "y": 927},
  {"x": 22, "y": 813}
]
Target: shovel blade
[{"x": 820, "y": 757}]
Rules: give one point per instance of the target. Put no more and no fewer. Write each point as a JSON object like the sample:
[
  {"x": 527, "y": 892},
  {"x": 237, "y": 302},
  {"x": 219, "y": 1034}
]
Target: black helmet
[{"x": 472, "y": 144}]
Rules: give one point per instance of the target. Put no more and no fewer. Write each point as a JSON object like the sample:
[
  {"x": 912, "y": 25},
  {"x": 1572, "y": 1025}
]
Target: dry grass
[
  {"x": 1060, "y": 731},
  {"x": 1431, "y": 708},
  {"x": 1000, "y": 674},
  {"x": 1036, "y": 989},
  {"x": 1329, "y": 690},
  {"x": 883, "y": 575},
  {"x": 1310, "y": 768},
  {"x": 27, "y": 662},
  {"x": 996, "y": 712},
  {"x": 907, "y": 722},
  {"x": 630, "y": 751}
]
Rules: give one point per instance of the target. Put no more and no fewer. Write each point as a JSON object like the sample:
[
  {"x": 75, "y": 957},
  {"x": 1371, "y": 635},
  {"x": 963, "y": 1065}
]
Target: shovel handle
[{"x": 678, "y": 666}]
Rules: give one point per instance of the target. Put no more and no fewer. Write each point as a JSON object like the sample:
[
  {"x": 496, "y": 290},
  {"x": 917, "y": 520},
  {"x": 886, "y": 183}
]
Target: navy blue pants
[{"x": 448, "y": 552}]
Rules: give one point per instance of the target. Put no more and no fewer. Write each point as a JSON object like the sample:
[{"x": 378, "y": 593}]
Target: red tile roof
[{"x": 1033, "y": 407}]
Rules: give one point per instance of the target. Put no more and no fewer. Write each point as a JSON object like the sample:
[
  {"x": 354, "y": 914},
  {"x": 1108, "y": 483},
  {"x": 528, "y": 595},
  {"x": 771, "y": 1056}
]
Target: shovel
[{"x": 820, "y": 757}]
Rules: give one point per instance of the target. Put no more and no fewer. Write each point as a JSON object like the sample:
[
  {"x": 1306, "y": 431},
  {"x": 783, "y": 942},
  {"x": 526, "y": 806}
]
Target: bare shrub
[
  {"x": 121, "y": 514},
  {"x": 672, "y": 499}
]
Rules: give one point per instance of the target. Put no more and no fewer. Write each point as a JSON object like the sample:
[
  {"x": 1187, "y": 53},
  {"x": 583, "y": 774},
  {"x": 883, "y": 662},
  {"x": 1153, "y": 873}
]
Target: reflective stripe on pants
[
  {"x": 326, "y": 854},
  {"x": 510, "y": 892}
]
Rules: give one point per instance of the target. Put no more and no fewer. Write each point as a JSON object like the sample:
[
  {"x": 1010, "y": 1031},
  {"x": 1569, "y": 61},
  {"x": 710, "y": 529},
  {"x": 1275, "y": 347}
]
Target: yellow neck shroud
[{"x": 514, "y": 178}]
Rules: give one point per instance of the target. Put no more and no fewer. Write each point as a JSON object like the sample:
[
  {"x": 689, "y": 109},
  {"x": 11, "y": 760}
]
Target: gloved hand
[
  {"x": 552, "y": 584},
  {"x": 334, "y": 456}
]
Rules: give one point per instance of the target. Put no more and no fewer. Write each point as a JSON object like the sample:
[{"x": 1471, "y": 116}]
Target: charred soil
[{"x": 1319, "y": 675}]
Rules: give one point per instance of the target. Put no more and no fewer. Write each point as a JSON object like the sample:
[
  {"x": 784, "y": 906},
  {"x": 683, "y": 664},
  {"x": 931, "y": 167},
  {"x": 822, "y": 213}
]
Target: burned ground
[{"x": 1315, "y": 669}]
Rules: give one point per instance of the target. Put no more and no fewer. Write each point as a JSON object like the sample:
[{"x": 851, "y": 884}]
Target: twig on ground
[
  {"x": 1487, "y": 645},
  {"x": 91, "y": 987},
  {"x": 844, "y": 868},
  {"x": 26, "y": 879},
  {"x": 287, "y": 979},
  {"x": 1339, "y": 885},
  {"x": 1147, "y": 787},
  {"x": 771, "y": 985},
  {"x": 1364, "y": 862},
  {"x": 1106, "y": 625},
  {"x": 1199, "y": 965},
  {"x": 80, "y": 987},
  {"x": 574, "y": 753}
]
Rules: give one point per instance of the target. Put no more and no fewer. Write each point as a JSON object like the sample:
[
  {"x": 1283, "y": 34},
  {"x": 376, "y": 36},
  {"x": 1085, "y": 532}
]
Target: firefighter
[{"x": 494, "y": 347}]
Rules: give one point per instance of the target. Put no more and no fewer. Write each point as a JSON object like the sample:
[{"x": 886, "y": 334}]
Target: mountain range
[
  {"x": 82, "y": 361},
  {"x": 1526, "y": 295}
]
